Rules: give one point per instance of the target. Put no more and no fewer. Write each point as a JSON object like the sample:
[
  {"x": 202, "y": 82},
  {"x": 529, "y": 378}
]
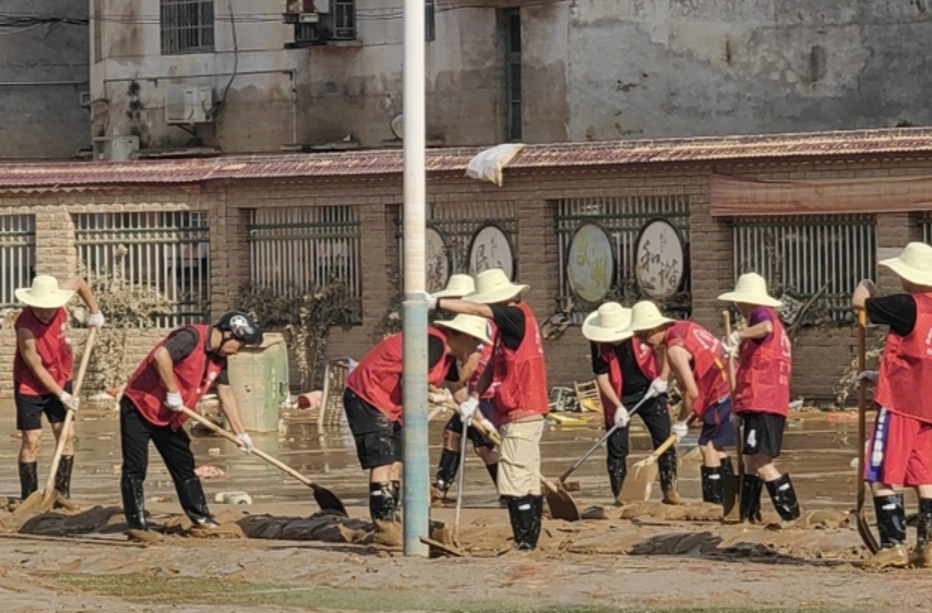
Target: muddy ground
[{"x": 275, "y": 555}]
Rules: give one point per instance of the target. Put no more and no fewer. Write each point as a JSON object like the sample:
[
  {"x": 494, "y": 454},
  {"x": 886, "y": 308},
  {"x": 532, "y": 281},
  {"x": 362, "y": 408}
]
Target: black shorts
[
  {"x": 762, "y": 433},
  {"x": 378, "y": 439},
  {"x": 455, "y": 425},
  {"x": 29, "y": 410}
]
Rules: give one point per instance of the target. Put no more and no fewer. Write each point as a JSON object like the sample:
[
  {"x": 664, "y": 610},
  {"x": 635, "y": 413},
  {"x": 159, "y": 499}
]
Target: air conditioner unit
[
  {"x": 115, "y": 148},
  {"x": 188, "y": 104},
  {"x": 305, "y": 11}
]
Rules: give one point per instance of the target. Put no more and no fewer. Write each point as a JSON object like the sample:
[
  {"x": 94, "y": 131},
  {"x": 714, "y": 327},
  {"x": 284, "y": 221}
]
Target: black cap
[{"x": 243, "y": 327}]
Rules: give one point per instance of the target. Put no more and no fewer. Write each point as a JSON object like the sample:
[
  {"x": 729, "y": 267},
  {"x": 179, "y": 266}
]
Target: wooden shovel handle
[
  {"x": 256, "y": 452},
  {"x": 726, "y": 317},
  {"x": 69, "y": 414}
]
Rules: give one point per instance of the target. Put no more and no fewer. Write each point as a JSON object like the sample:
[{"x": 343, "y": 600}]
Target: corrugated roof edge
[{"x": 63, "y": 175}]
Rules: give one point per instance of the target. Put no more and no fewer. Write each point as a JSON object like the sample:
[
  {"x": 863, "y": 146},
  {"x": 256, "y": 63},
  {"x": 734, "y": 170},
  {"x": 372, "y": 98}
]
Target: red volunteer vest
[
  {"x": 708, "y": 363},
  {"x": 522, "y": 375},
  {"x": 906, "y": 367},
  {"x": 194, "y": 375},
  {"x": 647, "y": 362},
  {"x": 53, "y": 347},
  {"x": 377, "y": 378},
  {"x": 762, "y": 383},
  {"x": 486, "y": 356}
]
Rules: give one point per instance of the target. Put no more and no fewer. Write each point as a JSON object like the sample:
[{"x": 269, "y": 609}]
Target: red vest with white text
[
  {"x": 53, "y": 347},
  {"x": 522, "y": 374},
  {"x": 762, "y": 383},
  {"x": 484, "y": 360},
  {"x": 647, "y": 362},
  {"x": 707, "y": 361},
  {"x": 906, "y": 367},
  {"x": 377, "y": 378},
  {"x": 194, "y": 375}
]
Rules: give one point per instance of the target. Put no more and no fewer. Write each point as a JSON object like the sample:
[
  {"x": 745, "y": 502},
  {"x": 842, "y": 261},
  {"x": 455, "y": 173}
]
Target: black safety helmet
[{"x": 243, "y": 327}]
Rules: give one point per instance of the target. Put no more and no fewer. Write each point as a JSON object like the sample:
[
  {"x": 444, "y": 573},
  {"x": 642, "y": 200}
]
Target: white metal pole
[{"x": 414, "y": 309}]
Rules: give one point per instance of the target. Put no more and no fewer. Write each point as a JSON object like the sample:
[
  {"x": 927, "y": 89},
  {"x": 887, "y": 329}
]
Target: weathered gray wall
[
  {"x": 43, "y": 69},
  {"x": 669, "y": 68}
]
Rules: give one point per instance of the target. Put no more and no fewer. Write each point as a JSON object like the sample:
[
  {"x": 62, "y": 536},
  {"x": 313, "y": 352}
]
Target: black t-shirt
[
  {"x": 510, "y": 323},
  {"x": 633, "y": 382},
  {"x": 897, "y": 311},
  {"x": 182, "y": 342},
  {"x": 435, "y": 351}
]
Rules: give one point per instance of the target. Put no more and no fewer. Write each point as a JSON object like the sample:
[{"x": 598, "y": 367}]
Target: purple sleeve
[{"x": 760, "y": 315}]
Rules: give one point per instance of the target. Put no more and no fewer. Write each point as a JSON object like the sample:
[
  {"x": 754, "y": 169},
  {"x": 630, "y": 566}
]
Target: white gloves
[
  {"x": 657, "y": 386},
  {"x": 173, "y": 401},
  {"x": 96, "y": 320},
  {"x": 680, "y": 429},
  {"x": 468, "y": 409},
  {"x": 621, "y": 417},
  {"x": 731, "y": 344},
  {"x": 431, "y": 301},
  {"x": 246, "y": 441},
  {"x": 71, "y": 403},
  {"x": 868, "y": 375},
  {"x": 442, "y": 397}
]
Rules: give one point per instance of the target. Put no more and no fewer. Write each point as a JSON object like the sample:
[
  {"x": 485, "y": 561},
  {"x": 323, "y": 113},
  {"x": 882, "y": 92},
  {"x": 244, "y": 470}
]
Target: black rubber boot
[
  {"x": 446, "y": 470},
  {"x": 922, "y": 554},
  {"x": 382, "y": 502},
  {"x": 525, "y": 514},
  {"x": 713, "y": 487},
  {"x": 667, "y": 467},
  {"x": 617, "y": 471},
  {"x": 784, "y": 497},
  {"x": 397, "y": 497},
  {"x": 28, "y": 478},
  {"x": 63, "y": 476},
  {"x": 194, "y": 504},
  {"x": 749, "y": 503},
  {"x": 134, "y": 503},
  {"x": 891, "y": 520},
  {"x": 728, "y": 469},
  {"x": 493, "y": 472}
]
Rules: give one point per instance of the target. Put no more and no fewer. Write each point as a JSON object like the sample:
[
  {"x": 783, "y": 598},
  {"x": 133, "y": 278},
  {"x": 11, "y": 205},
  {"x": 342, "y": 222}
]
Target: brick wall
[{"x": 820, "y": 354}]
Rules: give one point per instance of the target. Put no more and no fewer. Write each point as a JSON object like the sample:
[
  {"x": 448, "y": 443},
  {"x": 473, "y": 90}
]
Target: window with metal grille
[
  {"x": 818, "y": 258},
  {"x": 430, "y": 20},
  {"x": 297, "y": 250},
  {"x": 187, "y": 26},
  {"x": 512, "y": 24},
  {"x": 17, "y": 255},
  {"x": 622, "y": 218},
  {"x": 168, "y": 253},
  {"x": 98, "y": 31},
  {"x": 339, "y": 24},
  {"x": 925, "y": 223}
]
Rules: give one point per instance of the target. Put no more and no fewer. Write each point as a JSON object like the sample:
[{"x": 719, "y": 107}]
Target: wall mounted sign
[
  {"x": 491, "y": 248},
  {"x": 660, "y": 259},
  {"x": 439, "y": 262},
  {"x": 590, "y": 263}
]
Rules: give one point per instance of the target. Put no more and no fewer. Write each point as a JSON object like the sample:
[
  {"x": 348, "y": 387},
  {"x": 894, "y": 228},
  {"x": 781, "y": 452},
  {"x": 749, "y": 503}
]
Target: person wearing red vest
[
  {"x": 176, "y": 373},
  {"x": 696, "y": 358},
  {"x": 900, "y": 448},
  {"x": 469, "y": 374},
  {"x": 42, "y": 369},
  {"x": 372, "y": 401},
  {"x": 520, "y": 401},
  {"x": 762, "y": 396},
  {"x": 626, "y": 371}
]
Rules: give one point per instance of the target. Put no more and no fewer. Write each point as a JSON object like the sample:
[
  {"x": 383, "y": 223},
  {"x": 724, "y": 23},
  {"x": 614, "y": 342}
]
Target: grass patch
[{"x": 146, "y": 589}]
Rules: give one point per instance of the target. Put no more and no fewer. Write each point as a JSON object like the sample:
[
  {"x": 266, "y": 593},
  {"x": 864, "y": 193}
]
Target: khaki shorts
[{"x": 519, "y": 461}]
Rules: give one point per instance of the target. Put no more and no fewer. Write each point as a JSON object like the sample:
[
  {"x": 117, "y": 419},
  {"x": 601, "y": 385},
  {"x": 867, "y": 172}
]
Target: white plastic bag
[{"x": 488, "y": 165}]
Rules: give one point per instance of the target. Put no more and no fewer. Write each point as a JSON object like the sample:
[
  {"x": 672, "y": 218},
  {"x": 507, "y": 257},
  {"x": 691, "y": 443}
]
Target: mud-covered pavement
[{"x": 273, "y": 555}]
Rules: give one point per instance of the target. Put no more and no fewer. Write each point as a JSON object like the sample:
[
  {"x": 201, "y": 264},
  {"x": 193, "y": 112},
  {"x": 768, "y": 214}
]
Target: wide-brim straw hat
[
  {"x": 751, "y": 288},
  {"x": 609, "y": 324},
  {"x": 457, "y": 287},
  {"x": 493, "y": 286},
  {"x": 646, "y": 316},
  {"x": 473, "y": 325},
  {"x": 914, "y": 264},
  {"x": 44, "y": 293}
]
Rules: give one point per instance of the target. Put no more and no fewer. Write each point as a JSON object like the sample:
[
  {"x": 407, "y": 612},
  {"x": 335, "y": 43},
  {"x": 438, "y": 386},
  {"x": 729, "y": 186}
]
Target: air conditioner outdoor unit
[
  {"x": 305, "y": 11},
  {"x": 189, "y": 104},
  {"x": 115, "y": 148}
]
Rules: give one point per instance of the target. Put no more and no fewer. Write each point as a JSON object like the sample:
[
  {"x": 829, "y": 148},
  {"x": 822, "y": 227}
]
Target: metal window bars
[
  {"x": 17, "y": 255},
  {"x": 187, "y": 26}
]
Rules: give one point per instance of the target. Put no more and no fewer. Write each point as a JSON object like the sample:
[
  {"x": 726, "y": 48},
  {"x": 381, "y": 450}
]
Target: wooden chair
[
  {"x": 331, "y": 400},
  {"x": 587, "y": 394}
]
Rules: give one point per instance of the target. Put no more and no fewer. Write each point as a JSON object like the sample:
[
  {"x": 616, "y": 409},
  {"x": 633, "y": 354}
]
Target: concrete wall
[
  {"x": 820, "y": 354},
  {"x": 43, "y": 70}
]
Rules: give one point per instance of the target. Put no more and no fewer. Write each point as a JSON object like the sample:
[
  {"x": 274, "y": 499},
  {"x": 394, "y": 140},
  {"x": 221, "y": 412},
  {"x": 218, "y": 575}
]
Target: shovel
[
  {"x": 326, "y": 499},
  {"x": 864, "y": 529},
  {"x": 459, "y": 488},
  {"x": 562, "y": 506},
  {"x": 40, "y": 502},
  {"x": 730, "y": 510},
  {"x": 638, "y": 485},
  {"x": 601, "y": 441}
]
